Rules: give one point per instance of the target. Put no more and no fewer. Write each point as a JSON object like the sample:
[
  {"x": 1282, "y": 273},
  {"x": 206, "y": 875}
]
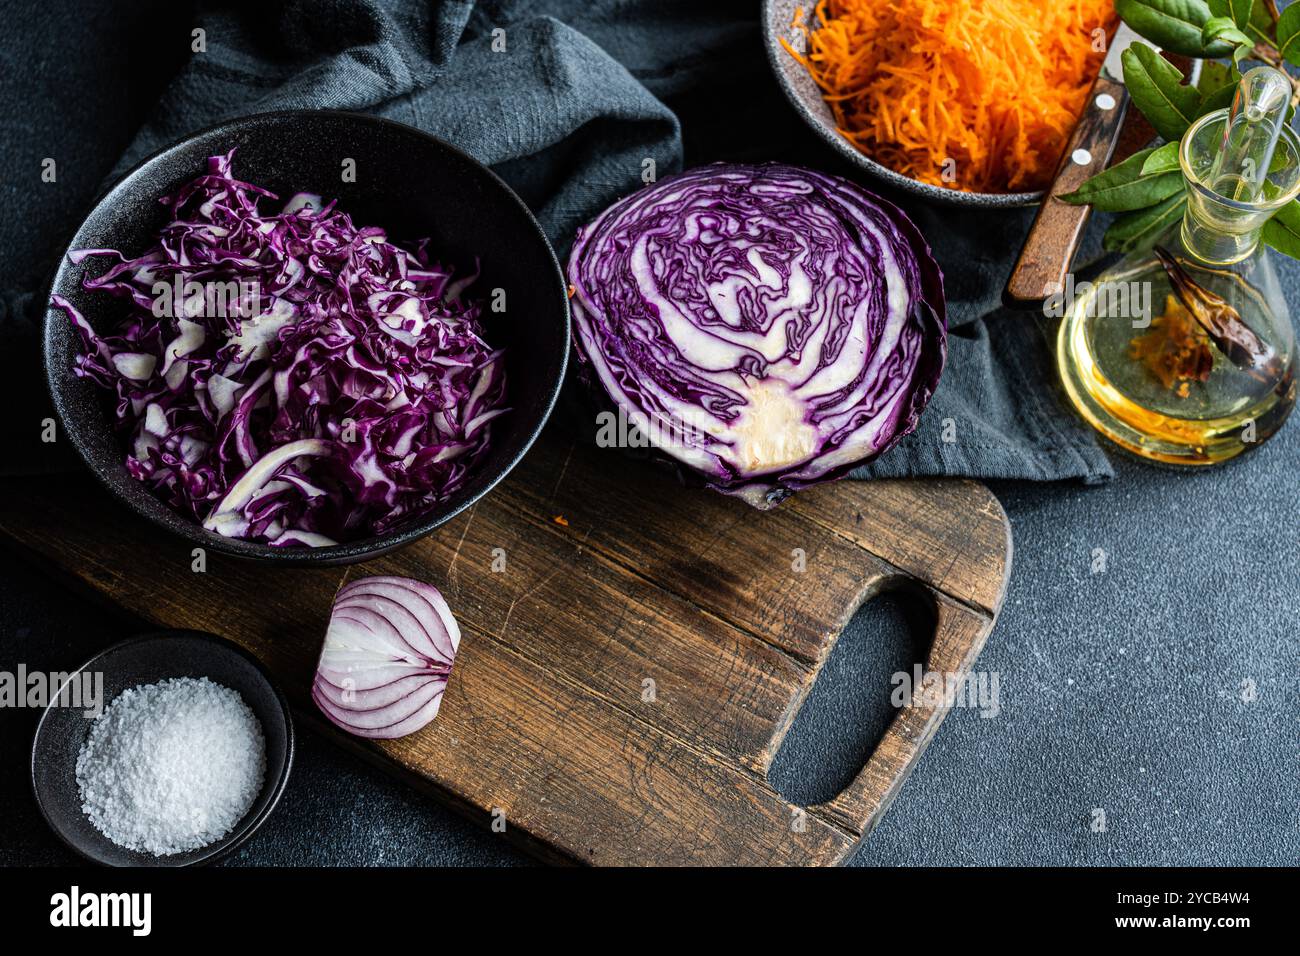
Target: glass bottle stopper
[{"x": 1258, "y": 113}]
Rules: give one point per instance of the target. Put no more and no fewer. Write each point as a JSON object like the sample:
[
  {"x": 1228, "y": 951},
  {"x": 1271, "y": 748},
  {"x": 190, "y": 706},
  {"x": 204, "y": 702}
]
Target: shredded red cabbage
[{"x": 311, "y": 383}]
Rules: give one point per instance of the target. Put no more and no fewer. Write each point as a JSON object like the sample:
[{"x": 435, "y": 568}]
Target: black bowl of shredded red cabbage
[{"x": 307, "y": 336}]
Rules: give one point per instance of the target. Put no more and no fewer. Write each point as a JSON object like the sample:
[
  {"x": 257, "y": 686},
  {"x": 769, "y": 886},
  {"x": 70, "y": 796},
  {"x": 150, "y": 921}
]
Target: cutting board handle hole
[{"x": 888, "y": 635}]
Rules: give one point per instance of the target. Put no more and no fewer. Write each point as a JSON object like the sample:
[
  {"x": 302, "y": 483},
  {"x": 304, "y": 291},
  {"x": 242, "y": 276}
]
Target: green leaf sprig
[{"x": 1147, "y": 189}]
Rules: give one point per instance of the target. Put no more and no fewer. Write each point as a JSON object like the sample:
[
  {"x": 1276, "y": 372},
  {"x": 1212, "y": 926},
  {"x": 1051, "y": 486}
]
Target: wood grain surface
[{"x": 629, "y": 670}]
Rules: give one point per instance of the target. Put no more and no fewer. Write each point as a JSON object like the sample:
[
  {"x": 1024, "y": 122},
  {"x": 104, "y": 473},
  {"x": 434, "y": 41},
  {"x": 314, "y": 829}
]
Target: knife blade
[{"x": 1113, "y": 66}]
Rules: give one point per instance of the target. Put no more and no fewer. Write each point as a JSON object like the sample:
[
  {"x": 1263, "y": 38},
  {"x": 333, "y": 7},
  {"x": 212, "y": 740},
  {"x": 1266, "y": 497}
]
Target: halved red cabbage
[
  {"x": 352, "y": 389},
  {"x": 766, "y": 326}
]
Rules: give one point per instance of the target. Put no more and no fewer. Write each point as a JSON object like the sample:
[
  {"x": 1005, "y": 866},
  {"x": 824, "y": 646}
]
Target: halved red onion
[{"x": 387, "y": 656}]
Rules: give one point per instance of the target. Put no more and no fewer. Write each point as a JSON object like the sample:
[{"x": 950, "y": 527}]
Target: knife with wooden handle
[{"x": 1053, "y": 238}]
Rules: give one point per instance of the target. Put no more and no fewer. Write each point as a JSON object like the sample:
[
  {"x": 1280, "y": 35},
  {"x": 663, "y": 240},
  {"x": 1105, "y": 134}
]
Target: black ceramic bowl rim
[
  {"x": 350, "y": 551},
  {"x": 810, "y": 105},
  {"x": 241, "y": 834}
]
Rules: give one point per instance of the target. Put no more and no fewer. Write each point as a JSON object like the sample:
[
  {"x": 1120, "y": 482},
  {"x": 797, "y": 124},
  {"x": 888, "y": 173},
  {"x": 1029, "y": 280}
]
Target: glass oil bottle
[{"x": 1184, "y": 351}]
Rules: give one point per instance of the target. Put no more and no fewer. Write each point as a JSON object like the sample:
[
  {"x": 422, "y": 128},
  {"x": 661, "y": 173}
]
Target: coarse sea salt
[{"x": 171, "y": 766}]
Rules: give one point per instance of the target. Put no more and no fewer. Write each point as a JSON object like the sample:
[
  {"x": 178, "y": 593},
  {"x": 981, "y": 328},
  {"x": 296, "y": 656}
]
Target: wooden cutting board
[{"x": 629, "y": 668}]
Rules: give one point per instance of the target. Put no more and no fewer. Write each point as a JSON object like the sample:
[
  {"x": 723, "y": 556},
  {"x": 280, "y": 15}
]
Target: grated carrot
[{"x": 978, "y": 95}]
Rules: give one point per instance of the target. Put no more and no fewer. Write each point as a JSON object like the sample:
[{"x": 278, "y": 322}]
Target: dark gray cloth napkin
[{"x": 566, "y": 99}]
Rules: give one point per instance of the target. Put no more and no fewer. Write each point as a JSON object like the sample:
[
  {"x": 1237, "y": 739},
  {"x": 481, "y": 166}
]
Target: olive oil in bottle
[{"x": 1184, "y": 352}]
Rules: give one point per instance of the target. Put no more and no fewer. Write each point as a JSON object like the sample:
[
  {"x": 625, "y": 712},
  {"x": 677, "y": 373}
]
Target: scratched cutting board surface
[{"x": 614, "y": 576}]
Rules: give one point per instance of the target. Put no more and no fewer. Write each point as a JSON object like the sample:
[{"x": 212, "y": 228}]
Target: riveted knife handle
[{"x": 1054, "y": 237}]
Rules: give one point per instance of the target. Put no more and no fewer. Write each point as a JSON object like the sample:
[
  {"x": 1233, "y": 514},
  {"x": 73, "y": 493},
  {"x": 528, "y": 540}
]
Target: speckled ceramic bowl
[
  {"x": 147, "y": 659},
  {"x": 407, "y": 181},
  {"x": 778, "y": 17}
]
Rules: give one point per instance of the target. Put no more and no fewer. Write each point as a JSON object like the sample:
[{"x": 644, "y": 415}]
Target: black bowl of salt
[{"x": 168, "y": 749}]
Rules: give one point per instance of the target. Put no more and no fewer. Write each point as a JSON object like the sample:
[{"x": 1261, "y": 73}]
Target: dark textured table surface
[{"x": 1157, "y": 695}]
